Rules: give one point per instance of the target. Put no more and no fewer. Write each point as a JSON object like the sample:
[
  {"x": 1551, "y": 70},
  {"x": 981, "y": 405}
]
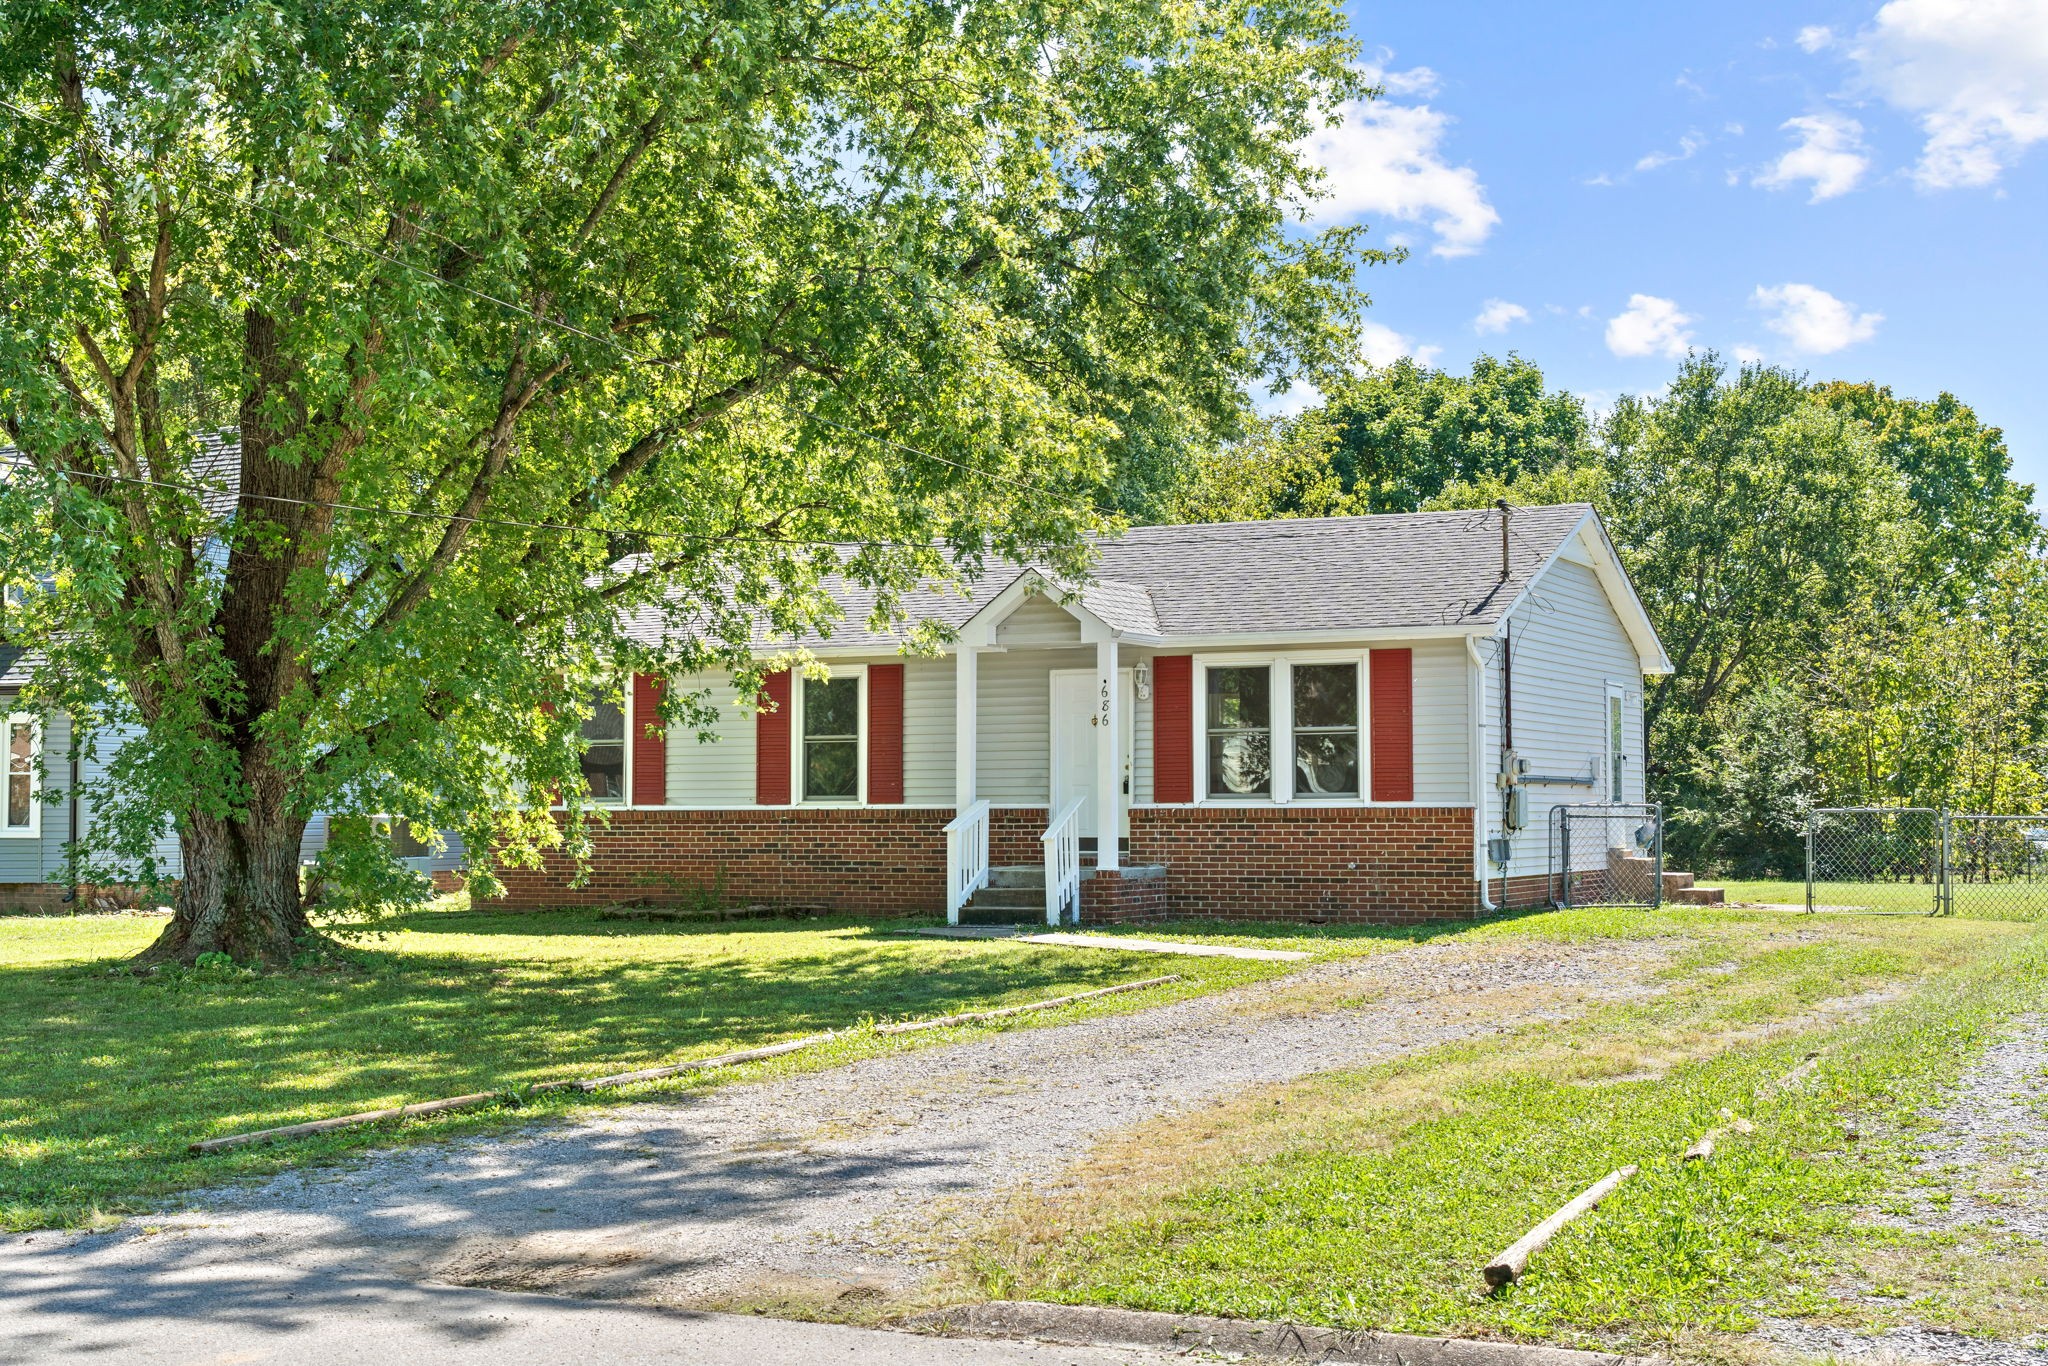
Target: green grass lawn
[
  {"x": 1372, "y": 1198},
  {"x": 1973, "y": 900},
  {"x": 106, "y": 1076}
]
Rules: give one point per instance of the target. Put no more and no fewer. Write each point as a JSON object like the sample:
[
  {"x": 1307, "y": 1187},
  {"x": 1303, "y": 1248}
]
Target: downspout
[{"x": 1476, "y": 676}]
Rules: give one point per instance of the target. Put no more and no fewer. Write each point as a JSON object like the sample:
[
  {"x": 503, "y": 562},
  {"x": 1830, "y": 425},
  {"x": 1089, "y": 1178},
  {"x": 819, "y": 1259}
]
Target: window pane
[
  {"x": 607, "y": 722},
  {"x": 831, "y": 769},
  {"x": 1325, "y": 695},
  {"x": 1326, "y": 764},
  {"x": 1240, "y": 764},
  {"x": 604, "y": 772},
  {"x": 404, "y": 843},
  {"x": 21, "y": 755},
  {"x": 832, "y": 706},
  {"x": 1240, "y": 698}
]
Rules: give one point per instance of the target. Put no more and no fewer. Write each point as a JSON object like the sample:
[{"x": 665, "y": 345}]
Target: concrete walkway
[{"x": 1065, "y": 940}]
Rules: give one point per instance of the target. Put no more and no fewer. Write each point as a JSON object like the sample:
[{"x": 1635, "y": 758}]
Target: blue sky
[{"x": 1852, "y": 190}]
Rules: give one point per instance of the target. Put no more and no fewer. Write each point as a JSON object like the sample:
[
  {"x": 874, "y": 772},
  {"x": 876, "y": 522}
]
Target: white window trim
[
  {"x": 1282, "y": 725},
  {"x": 34, "y": 828},
  {"x": 625, "y": 800},
  {"x": 858, "y": 673}
]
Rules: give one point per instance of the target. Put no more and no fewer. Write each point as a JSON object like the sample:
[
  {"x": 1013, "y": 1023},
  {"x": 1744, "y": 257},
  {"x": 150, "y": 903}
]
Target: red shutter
[
  {"x": 771, "y": 742},
  {"x": 650, "y": 743},
  {"x": 1393, "y": 725},
  {"x": 1173, "y": 728},
  {"x": 885, "y": 733}
]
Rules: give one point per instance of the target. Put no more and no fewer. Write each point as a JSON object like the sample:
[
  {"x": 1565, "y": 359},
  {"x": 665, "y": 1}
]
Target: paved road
[{"x": 253, "y": 1316}]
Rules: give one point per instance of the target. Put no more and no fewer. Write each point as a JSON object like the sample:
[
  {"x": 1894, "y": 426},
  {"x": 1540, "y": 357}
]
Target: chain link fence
[
  {"x": 1881, "y": 859},
  {"x": 1607, "y": 854},
  {"x": 1997, "y": 866}
]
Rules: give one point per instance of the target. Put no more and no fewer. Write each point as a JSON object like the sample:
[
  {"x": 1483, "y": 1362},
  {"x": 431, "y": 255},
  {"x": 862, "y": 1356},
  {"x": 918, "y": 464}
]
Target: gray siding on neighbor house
[
  {"x": 40, "y": 857},
  {"x": 1568, "y": 643}
]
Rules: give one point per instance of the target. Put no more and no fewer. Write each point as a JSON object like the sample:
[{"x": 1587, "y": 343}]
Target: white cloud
[
  {"x": 1829, "y": 155},
  {"x": 1746, "y": 354},
  {"x": 1814, "y": 37},
  {"x": 1812, "y": 320},
  {"x": 1973, "y": 72},
  {"x": 1386, "y": 159},
  {"x": 1497, "y": 315},
  {"x": 1650, "y": 326},
  {"x": 1382, "y": 345},
  {"x": 1687, "y": 147}
]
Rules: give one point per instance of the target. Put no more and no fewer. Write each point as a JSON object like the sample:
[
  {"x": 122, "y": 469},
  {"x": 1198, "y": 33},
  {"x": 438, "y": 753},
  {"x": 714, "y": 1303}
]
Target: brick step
[
  {"x": 1700, "y": 896},
  {"x": 1674, "y": 883}
]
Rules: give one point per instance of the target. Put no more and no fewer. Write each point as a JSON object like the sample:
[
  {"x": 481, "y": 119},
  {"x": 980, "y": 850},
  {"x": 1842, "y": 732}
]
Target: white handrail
[
  {"x": 966, "y": 858},
  {"x": 1063, "y": 862}
]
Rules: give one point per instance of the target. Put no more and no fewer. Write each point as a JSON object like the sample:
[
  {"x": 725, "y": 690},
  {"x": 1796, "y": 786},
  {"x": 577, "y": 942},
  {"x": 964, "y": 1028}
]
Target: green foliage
[
  {"x": 539, "y": 320},
  {"x": 1401, "y": 433}
]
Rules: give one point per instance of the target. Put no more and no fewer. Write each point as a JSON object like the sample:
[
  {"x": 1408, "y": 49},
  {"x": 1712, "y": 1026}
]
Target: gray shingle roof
[{"x": 1319, "y": 574}]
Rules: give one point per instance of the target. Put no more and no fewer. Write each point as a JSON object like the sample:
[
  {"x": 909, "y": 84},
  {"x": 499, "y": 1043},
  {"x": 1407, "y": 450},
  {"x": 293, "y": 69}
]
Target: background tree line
[{"x": 1852, "y": 587}]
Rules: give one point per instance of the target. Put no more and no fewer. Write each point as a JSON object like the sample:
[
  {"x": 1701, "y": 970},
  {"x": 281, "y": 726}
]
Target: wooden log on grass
[
  {"x": 321, "y": 1126},
  {"x": 1515, "y": 1260}
]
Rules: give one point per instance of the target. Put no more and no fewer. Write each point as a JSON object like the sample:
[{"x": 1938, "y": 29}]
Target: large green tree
[
  {"x": 1400, "y": 433},
  {"x": 536, "y": 318}
]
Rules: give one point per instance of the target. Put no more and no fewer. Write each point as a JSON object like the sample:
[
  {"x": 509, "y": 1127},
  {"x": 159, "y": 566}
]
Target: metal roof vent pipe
[{"x": 1502, "y": 504}]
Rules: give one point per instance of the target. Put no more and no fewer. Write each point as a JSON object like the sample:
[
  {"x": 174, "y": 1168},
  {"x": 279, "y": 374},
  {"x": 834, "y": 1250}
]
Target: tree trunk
[{"x": 240, "y": 892}]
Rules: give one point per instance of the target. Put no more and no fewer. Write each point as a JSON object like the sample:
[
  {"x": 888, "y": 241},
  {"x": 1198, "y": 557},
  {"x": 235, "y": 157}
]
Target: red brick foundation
[
  {"x": 1353, "y": 864},
  {"x": 1124, "y": 896},
  {"x": 872, "y": 860},
  {"x": 1375, "y": 864}
]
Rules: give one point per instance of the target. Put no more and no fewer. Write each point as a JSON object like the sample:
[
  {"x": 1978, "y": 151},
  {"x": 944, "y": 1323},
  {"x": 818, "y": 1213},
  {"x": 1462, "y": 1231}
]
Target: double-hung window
[
  {"x": 1240, "y": 723},
  {"x": 831, "y": 741},
  {"x": 604, "y": 752},
  {"x": 1325, "y": 720},
  {"x": 20, "y": 811}
]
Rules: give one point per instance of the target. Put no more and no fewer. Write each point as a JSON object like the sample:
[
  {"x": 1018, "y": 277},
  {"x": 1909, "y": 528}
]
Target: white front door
[{"x": 1074, "y": 729}]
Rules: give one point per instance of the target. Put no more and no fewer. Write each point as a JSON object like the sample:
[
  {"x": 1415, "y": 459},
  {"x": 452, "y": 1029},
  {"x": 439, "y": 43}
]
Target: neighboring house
[{"x": 1299, "y": 719}]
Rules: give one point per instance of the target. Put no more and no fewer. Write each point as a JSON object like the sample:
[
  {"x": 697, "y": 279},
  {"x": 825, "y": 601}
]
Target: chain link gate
[
  {"x": 1878, "y": 859},
  {"x": 1607, "y": 854},
  {"x": 1997, "y": 866}
]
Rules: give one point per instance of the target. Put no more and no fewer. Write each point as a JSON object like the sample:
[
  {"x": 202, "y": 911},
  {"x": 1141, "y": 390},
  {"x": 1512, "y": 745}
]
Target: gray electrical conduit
[{"x": 1478, "y": 712}]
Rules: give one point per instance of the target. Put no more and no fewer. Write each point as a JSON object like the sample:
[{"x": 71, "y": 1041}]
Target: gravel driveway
[{"x": 817, "y": 1184}]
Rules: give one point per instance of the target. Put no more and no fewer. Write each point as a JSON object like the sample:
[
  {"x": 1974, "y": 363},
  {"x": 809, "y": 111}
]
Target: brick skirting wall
[
  {"x": 1125, "y": 896},
  {"x": 1374, "y": 864},
  {"x": 1355, "y": 864},
  {"x": 873, "y": 860}
]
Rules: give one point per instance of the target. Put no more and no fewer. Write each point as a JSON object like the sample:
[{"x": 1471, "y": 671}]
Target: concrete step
[
  {"x": 1674, "y": 883},
  {"x": 1020, "y": 875},
  {"x": 1009, "y": 899},
  {"x": 1700, "y": 896},
  {"x": 1030, "y": 919}
]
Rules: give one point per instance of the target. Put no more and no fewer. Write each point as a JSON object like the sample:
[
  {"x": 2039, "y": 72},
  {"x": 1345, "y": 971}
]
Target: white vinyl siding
[
  {"x": 928, "y": 731},
  {"x": 1014, "y": 730},
  {"x": 718, "y": 771},
  {"x": 1569, "y": 645},
  {"x": 1443, "y": 765},
  {"x": 1039, "y": 621}
]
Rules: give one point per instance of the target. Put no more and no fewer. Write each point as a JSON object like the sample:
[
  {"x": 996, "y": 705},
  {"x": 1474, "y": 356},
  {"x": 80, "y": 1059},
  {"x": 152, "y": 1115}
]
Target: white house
[{"x": 1361, "y": 718}]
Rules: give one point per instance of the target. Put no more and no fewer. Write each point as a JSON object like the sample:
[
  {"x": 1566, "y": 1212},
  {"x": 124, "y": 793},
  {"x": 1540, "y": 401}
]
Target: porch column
[
  {"x": 965, "y": 732},
  {"x": 1109, "y": 753}
]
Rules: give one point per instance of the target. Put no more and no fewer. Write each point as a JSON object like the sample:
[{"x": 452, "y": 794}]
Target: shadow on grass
[{"x": 104, "y": 1076}]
